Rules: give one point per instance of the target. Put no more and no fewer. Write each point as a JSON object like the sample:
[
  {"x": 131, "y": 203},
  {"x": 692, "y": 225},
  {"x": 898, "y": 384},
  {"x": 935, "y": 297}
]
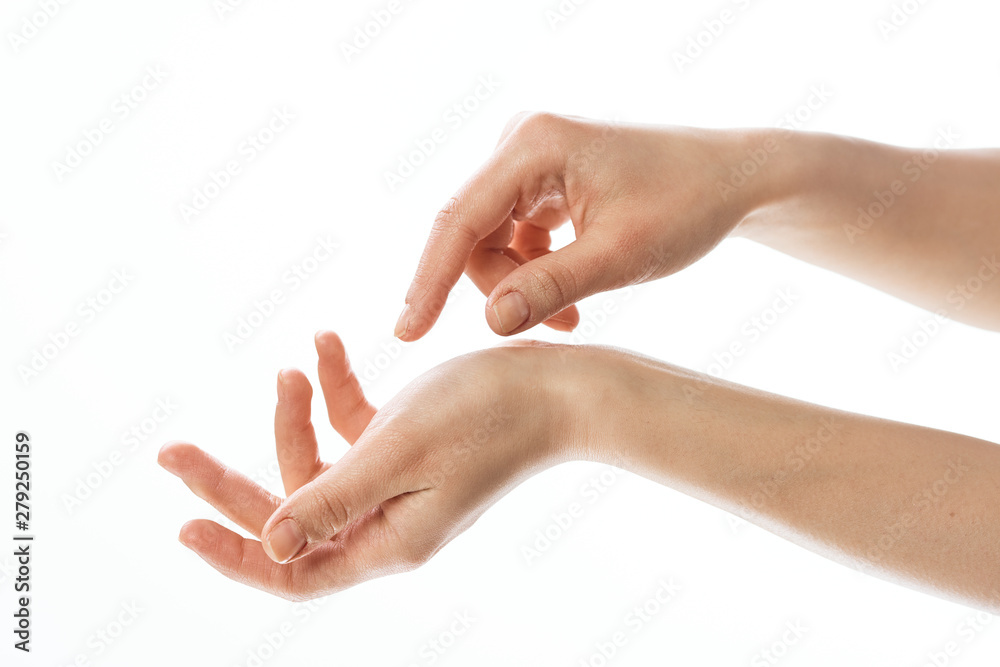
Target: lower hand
[{"x": 421, "y": 470}]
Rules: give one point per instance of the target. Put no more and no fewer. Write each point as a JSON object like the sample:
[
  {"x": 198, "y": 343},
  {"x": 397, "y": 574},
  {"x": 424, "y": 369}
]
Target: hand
[
  {"x": 645, "y": 202},
  {"x": 421, "y": 470}
]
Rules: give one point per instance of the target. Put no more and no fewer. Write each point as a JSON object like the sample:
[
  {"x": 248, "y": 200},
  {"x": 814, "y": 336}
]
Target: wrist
[
  {"x": 807, "y": 176},
  {"x": 608, "y": 405},
  {"x": 762, "y": 167}
]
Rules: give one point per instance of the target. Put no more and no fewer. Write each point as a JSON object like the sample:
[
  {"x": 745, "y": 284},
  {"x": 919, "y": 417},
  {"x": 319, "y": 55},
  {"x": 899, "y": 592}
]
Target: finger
[
  {"x": 543, "y": 287},
  {"x": 479, "y": 208},
  {"x": 241, "y": 559},
  {"x": 530, "y": 240},
  {"x": 346, "y": 404},
  {"x": 372, "y": 471},
  {"x": 367, "y": 549},
  {"x": 533, "y": 240},
  {"x": 238, "y": 497},
  {"x": 488, "y": 266},
  {"x": 294, "y": 436},
  {"x": 511, "y": 125}
]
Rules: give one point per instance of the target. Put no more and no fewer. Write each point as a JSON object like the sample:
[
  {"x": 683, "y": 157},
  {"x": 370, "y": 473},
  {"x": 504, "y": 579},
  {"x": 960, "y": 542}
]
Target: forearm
[
  {"x": 913, "y": 505},
  {"x": 923, "y": 225}
]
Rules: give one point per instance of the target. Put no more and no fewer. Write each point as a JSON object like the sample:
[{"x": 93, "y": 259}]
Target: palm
[{"x": 363, "y": 550}]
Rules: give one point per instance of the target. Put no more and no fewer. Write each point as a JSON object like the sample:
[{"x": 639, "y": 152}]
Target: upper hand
[{"x": 645, "y": 202}]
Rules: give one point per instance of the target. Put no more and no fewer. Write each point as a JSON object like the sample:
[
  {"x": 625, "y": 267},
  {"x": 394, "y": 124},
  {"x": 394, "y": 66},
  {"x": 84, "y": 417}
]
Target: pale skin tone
[
  {"x": 913, "y": 505},
  {"x": 647, "y": 201}
]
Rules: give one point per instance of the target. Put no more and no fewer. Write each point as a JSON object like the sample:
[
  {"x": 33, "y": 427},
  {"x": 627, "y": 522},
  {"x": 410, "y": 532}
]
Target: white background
[{"x": 162, "y": 337}]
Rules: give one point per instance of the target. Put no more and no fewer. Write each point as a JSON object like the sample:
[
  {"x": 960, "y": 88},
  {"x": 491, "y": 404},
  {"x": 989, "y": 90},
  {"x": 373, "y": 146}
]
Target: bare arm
[
  {"x": 922, "y": 224},
  {"x": 912, "y": 505},
  {"x": 647, "y": 201}
]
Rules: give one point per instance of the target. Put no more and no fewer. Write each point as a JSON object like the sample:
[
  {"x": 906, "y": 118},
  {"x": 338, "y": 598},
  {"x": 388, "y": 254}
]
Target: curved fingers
[
  {"x": 234, "y": 494},
  {"x": 294, "y": 436},
  {"x": 369, "y": 548},
  {"x": 348, "y": 409}
]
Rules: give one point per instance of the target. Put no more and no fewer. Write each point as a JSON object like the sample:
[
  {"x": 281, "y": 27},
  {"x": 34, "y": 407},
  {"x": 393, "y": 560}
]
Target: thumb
[
  {"x": 323, "y": 508},
  {"x": 546, "y": 285}
]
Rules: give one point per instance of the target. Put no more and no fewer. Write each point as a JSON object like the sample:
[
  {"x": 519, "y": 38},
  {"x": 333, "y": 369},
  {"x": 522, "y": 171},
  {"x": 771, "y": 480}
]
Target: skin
[
  {"x": 419, "y": 472},
  {"x": 913, "y": 505},
  {"x": 647, "y": 201}
]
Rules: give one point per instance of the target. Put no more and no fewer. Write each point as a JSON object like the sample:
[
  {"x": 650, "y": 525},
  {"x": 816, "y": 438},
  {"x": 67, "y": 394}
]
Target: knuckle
[
  {"x": 451, "y": 220},
  {"x": 333, "y": 512},
  {"x": 538, "y": 122},
  {"x": 448, "y": 214},
  {"x": 554, "y": 279},
  {"x": 294, "y": 595},
  {"x": 289, "y": 594},
  {"x": 415, "y": 554},
  {"x": 512, "y": 124},
  {"x": 539, "y": 142}
]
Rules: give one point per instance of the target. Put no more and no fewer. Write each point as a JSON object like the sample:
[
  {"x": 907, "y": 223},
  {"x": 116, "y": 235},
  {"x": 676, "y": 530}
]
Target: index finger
[
  {"x": 482, "y": 204},
  {"x": 479, "y": 207}
]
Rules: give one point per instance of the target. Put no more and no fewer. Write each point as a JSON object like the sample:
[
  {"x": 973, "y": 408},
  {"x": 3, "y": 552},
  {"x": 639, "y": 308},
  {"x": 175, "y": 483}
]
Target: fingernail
[
  {"x": 403, "y": 323},
  {"x": 281, "y": 384},
  {"x": 285, "y": 540},
  {"x": 511, "y": 310}
]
